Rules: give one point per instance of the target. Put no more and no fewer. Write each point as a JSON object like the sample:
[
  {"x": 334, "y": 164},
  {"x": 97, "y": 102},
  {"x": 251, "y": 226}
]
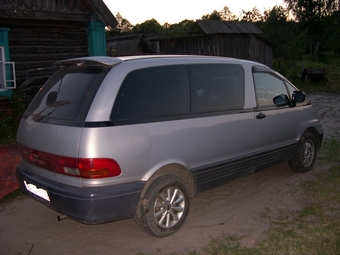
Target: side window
[
  {"x": 216, "y": 87},
  {"x": 153, "y": 92},
  {"x": 267, "y": 87}
]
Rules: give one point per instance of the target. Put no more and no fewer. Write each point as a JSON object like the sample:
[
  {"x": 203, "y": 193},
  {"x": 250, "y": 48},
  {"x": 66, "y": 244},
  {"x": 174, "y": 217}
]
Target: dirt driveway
[{"x": 244, "y": 207}]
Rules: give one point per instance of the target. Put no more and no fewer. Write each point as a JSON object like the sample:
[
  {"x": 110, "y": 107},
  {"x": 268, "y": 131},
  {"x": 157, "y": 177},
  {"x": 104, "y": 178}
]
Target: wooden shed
[
  {"x": 127, "y": 45},
  {"x": 35, "y": 34},
  {"x": 242, "y": 40}
]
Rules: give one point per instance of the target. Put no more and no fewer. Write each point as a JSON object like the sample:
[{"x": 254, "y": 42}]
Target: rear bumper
[{"x": 90, "y": 205}]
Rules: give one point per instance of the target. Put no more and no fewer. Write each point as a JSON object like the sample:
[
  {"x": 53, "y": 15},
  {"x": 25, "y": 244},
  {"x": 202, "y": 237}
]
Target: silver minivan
[{"x": 109, "y": 138}]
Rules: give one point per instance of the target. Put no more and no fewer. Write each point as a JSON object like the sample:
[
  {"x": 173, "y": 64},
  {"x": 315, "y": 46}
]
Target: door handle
[{"x": 260, "y": 116}]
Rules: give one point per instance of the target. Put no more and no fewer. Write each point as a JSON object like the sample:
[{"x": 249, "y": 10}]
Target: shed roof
[
  {"x": 71, "y": 10},
  {"x": 226, "y": 27},
  {"x": 125, "y": 45}
]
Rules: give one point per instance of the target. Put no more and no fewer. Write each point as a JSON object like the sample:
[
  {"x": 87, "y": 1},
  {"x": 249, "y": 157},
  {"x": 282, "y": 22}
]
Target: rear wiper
[{"x": 55, "y": 104}]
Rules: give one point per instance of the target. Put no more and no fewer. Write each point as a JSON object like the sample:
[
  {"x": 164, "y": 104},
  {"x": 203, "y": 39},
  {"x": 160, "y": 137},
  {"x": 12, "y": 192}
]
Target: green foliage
[
  {"x": 227, "y": 15},
  {"x": 15, "y": 194},
  {"x": 293, "y": 69},
  {"x": 215, "y": 15},
  {"x": 180, "y": 29},
  {"x": 286, "y": 37},
  {"x": 123, "y": 27},
  {"x": 314, "y": 16},
  {"x": 251, "y": 16},
  {"x": 330, "y": 148},
  {"x": 227, "y": 246},
  {"x": 10, "y": 115},
  {"x": 148, "y": 27}
]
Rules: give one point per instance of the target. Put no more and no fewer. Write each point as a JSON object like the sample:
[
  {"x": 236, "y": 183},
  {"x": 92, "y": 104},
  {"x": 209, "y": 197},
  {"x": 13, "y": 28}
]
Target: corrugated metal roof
[
  {"x": 227, "y": 27},
  {"x": 126, "y": 45},
  {"x": 129, "y": 44},
  {"x": 243, "y": 27}
]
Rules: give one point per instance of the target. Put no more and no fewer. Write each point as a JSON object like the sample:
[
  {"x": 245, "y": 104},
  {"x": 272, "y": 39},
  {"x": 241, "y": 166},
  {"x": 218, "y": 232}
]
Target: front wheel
[
  {"x": 305, "y": 155},
  {"x": 164, "y": 206}
]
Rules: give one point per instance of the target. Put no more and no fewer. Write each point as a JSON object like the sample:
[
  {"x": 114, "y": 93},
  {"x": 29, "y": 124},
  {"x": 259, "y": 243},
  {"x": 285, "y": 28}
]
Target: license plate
[{"x": 39, "y": 192}]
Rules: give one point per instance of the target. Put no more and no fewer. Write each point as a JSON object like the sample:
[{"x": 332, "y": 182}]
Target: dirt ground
[{"x": 245, "y": 207}]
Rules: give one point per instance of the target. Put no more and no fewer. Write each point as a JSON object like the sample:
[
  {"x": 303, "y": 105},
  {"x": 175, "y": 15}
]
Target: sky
[{"x": 174, "y": 11}]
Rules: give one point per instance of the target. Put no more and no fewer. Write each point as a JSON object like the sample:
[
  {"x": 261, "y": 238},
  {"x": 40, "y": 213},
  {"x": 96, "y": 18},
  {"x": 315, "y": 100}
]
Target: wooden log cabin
[{"x": 36, "y": 33}]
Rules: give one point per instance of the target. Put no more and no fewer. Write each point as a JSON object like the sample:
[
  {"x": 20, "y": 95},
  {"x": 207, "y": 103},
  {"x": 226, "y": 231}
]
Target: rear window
[{"x": 66, "y": 94}]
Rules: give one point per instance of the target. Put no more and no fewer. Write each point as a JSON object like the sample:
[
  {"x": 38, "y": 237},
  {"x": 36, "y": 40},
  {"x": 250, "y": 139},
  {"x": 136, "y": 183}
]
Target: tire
[
  {"x": 305, "y": 154},
  {"x": 164, "y": 206}
]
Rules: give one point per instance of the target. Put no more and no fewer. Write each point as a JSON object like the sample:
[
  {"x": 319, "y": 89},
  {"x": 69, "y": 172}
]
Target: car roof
[{"x": 111, "y": 61}]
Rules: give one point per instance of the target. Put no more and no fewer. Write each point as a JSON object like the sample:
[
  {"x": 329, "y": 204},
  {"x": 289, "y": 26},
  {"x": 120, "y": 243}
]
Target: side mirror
[
  {"x": 281, "y": 100},
  {"x": 298, "y": 96}
]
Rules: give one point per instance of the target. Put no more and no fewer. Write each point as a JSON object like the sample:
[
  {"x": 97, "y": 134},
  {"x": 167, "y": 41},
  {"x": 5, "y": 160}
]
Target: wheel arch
[
  {"x": 173, "y": 169},
  {"x": 316, "y": 134}
]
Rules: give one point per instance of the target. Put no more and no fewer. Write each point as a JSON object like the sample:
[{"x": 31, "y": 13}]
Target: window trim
[{"x": 265, "y": 69}]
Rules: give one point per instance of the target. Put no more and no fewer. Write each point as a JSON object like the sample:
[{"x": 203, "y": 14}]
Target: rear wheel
[
  {"x": 164, "y": 206},
  {"x": 305, "y": 154}
]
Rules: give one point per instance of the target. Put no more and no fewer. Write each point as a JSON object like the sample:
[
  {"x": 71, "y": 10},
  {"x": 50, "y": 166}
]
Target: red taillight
[{"x": 90, "y": 168}]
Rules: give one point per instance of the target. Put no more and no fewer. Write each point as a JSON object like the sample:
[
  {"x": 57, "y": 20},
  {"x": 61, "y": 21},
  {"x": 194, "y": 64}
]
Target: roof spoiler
[{"x": 108, "y": 61}]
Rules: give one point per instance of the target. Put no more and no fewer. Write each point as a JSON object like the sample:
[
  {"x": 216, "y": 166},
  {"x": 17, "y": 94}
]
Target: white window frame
[{"x": 6, "y": 82}]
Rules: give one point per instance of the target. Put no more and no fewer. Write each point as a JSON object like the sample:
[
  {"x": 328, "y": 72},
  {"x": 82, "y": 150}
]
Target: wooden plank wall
[
  {"x": 51, "y": 5},
  {"x": 243, "y": 46},
  {"x": 36, "y": 44}
]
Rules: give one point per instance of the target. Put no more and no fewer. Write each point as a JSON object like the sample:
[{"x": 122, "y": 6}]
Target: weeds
[
  {"x": 10, "y": 114},
  {"x": 330, "y": 149},
  {"x": 293, "y": 71}
]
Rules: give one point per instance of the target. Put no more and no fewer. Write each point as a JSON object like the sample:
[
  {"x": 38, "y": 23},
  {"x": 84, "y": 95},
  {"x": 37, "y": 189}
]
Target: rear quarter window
[{"x": 155, "y": 92}]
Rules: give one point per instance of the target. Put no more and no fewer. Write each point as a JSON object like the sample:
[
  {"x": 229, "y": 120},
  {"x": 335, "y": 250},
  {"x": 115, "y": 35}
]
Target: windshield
[{"x": 66, "y": 94}]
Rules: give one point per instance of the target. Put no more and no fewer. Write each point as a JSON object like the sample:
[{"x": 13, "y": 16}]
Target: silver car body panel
[{"x": 191, "y": 143}]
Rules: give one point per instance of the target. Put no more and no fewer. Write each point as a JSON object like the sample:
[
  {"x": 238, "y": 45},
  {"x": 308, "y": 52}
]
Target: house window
[{"x": 7, "y": 72}]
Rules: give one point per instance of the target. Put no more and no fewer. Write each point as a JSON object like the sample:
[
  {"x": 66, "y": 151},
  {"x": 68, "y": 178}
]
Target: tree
[
  {"x": 251, "y": 16},
  {"x": 312, "y": 10},
  {"x": 227, "y": 15},
  {"x": 312, "y": 15},
  {"x": 215, "y": 15},
  {"x": 285, "y": 36},
  {"x": 124, "y": 26},
  {"x": 178, "y": 30},
  {"x": 148, "y": 27}
]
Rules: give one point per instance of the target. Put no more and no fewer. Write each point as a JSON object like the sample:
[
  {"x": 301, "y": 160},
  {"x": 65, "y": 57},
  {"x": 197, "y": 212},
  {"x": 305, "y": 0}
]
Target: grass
[
  {"x": 330, "y": 149},
  {"x": 293, "y": 71},
  {"x": 315, "y": 229}
]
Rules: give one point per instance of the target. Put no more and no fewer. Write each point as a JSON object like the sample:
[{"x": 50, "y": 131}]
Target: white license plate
[{"x": 39, "y": 192}]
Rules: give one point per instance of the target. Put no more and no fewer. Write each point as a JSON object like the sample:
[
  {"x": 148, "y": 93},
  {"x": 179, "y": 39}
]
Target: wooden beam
[{"x": 44, "y": 15}]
